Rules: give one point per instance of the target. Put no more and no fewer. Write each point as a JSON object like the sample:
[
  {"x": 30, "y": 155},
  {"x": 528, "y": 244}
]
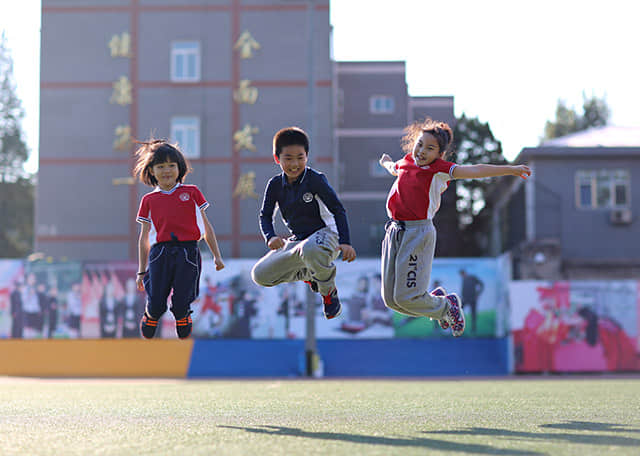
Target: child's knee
[{"x": 259, "y": 274}]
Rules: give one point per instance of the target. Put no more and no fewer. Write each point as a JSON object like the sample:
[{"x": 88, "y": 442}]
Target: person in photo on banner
[
  {"x": 312, "y": 211},
  {"x": 410, "y": 237},
  {"x": 173, "y": 220}
]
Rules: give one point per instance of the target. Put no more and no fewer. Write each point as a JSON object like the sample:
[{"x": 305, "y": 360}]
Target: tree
[
  {"x": 474, "y": 143},
  {"x": 461, "y": 227},
  {"x": 595, "y": 113},
  {"x": 16, "y": 186}
]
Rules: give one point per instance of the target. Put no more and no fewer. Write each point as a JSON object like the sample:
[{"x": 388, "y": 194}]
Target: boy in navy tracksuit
[{"x": 312, "y": 211}]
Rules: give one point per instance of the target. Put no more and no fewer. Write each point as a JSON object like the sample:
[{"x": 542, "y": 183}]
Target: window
[
  {"x": 607, "y": 188},
  {"x": 186, "y": 132},
  {"x": 381, "y": 104},
  {"x": 185, "y": 61}
]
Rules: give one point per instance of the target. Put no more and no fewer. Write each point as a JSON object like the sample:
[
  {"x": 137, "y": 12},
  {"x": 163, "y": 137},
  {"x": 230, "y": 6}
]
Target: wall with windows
[
  {"x": 579, "y": 200},
  {"x": 217, "y": 77}
]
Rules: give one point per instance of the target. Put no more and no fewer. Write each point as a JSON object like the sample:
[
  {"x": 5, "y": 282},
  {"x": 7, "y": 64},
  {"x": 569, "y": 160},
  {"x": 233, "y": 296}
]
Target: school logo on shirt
[
  {"x": 307, "y": 197},
  {"x": 184, "y": 196}
]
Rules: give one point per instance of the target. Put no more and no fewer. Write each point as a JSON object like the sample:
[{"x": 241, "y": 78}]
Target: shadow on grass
[
  {"x": 588, "y": 439},
  {"x": 441, "y": 445},
  {"x": 589, "y": 426}
]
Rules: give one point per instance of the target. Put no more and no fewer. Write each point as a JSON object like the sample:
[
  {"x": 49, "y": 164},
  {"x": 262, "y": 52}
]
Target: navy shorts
[{"x": 176, "y": 266}]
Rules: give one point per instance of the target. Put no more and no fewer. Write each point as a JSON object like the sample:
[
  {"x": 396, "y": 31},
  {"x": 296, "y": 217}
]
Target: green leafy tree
[
  {"x": 595, "y": 113},
  {"x": 16, "y": 186},
  {"x": 474, "y": 143}
]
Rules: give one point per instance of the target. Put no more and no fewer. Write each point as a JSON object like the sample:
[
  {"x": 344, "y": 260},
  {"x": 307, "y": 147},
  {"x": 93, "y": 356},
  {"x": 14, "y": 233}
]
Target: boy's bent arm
[
  {"x": 481, "y": 170},
  {"x": 212, "y": 242},
  {"x": 328, "y": 196},
  {"x": 266, "y": 213}
]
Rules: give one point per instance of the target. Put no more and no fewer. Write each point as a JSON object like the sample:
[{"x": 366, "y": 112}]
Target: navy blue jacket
[{"x": 307, "y": 205}]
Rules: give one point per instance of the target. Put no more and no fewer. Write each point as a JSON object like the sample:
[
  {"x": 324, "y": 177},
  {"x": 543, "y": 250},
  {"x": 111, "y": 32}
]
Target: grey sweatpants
[
  {"x": 407, "y": 255},
  {"x": 310, "y": 259}
]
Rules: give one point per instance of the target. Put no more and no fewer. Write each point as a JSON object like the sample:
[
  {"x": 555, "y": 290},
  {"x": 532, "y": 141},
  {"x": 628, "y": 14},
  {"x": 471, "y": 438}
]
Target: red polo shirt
[
  {"x": 176, "y": 211},
  {"x": 415, "y": 194}
]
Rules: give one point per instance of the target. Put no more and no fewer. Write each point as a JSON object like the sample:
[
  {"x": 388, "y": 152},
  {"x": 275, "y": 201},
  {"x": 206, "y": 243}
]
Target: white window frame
[
  {"x": 382, "y": 104},
  {"x": 181, "y": 50},
  {"x": 615, "y": 177},
  {"x": 185, "y": 130}
]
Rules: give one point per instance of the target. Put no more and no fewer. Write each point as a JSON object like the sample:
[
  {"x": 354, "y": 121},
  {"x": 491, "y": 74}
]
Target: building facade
[
  {"x": 372, "y": 109},
  {"x": 217, "y": 76},
  {"x": 578, "y": 215}
]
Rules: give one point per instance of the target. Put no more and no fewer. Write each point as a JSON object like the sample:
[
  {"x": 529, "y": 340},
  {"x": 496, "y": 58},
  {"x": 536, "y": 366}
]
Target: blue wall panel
[
  {"x": 350, "y": 358},
  {"x": 246, "y": 358},
  {"x": 413, "y": 357}
]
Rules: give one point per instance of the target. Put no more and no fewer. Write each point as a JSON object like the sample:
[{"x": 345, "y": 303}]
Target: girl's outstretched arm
[
  {"x": 388, "y": 164},
  {"x": 481, "y": 170}
]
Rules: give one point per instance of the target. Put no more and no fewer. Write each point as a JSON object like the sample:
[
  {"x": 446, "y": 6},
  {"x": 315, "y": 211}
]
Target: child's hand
[
  {"x": 275, "y": 243},
  {"x": 348, "y": 252},
  {"x": 140, "y": 282},
  {"x": 521, "y": 170},
  {"x": 384, "y": 159},
  {"x": 219, "y": 264}
]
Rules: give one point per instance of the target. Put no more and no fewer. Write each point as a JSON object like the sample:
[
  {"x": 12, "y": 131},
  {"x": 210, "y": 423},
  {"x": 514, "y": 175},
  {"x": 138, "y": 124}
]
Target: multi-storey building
[
  {"x": 219, "y": 77},
  {"x": 576, "y": 217},
  {"x": 372, "y": 110}
]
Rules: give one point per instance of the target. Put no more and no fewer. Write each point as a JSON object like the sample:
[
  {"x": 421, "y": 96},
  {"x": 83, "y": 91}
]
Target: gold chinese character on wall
[
  {"x": 246, "y": 44},
  {"x": 123, "y": 137},
  {"x": 245, "y": 93},
  {"x": 121, "y": 92},
  {"x": 120, "y": 45},
  {"x": 246, "y": 186},
  {"x": 123, "y": 181},
  {"x": 244, "y": 138}
]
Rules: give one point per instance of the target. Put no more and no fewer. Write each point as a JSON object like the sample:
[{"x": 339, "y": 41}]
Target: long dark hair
[
  {"x": 156, "y": 151},
  {"x": 440, "y": 130}
]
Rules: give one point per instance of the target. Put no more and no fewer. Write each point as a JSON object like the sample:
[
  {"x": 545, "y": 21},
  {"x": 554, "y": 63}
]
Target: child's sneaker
[
  {"x": 148, "y": 326},
  {"x": 455, "y": 315},
  {"x": 312, "y": 284},
  {"x": 440, "y": 292},
  {"x": 183, "y": 326},
  {"x": 332, "y": 307}
]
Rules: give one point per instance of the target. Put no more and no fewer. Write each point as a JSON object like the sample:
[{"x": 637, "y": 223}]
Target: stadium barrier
[{"x": 251, "y": 358}]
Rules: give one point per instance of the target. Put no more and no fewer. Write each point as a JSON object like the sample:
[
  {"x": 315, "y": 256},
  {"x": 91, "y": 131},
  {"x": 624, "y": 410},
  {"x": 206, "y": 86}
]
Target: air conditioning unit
[{"x": 620, "y": 217}]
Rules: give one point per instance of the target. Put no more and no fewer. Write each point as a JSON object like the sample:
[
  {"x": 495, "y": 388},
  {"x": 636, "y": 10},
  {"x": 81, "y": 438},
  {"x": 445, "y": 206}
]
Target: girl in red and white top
[
  {"x": 410, "y": 239},
  {"x": 173, "y": 220}
]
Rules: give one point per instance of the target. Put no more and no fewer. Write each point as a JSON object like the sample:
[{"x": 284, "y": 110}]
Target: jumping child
[
  {"x": 173, "y": 220},
  {"x": 312, "y": 211},
  {"x": 410, "y": 238}
]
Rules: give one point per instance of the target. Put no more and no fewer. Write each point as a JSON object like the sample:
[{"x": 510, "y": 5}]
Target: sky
[{"x": 505, "y": 62}]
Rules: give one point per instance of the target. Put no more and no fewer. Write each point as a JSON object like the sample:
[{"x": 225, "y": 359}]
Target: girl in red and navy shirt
[
  {"x": 410, "y": 238},
  {"x": 173, "y": 220}
]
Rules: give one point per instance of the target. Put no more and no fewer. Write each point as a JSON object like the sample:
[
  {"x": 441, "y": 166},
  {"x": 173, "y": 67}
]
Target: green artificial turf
[{"x": 518, "y": 416}]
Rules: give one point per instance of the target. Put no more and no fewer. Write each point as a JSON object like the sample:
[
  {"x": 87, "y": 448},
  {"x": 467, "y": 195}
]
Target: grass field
[{"x": 520, "y": 416}]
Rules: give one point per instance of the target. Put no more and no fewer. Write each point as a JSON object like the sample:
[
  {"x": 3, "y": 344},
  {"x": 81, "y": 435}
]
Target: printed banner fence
[
  {"x": 92, "y": 300},
  {"x": 575, "y": 326}
]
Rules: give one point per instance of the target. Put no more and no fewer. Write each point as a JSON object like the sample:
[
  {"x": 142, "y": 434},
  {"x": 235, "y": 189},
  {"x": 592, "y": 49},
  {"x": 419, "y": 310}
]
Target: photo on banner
[
  {"x": 575, "y": 326},
  {"x": 48, "y": 308},
  {"x": 111, "y": 304},
  {"x": 11, "y": 297}
]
